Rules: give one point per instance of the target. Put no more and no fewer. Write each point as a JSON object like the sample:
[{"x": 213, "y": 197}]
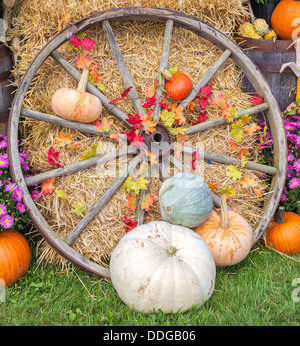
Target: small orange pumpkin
[
  {"x": 15, "y": 256},
  {"x": 178, "y": 85},
  {"x": 227, "y": 234},
  {"x": 284, "y": 19},
  {"x": 283, "y": 234}
]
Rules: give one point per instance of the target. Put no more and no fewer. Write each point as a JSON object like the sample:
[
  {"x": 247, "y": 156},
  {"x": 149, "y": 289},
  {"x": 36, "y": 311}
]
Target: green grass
[{"x": 256, "y": 292}]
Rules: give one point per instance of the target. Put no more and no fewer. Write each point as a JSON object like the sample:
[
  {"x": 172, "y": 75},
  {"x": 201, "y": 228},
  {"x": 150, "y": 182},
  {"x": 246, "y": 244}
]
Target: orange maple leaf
[
  {"x": 248, "y": 182},
  {"x": 83, "y": 61},
  {"x": 213, "y": 186},
  {"x": 148, "y": 123},
  {"x": 191, "y": 107},
  {"x": 131, "y": 203},
  {"x": 219, "y": 101},
  {"x": 74, "y": 146},
  {"x": 149, "y": 92},
  {"x": 62, "y": 139},
  {"x": 104, "y": 126},
  {"x": 253, "y": 128},
  {"x": 147, "y": 201},
  {"x": 178, "y": 114},
  {"x": 258, "y": 193},
  {"x": 153, "y": 158},
  {"x": 66, "y": 18},
  {"x": 47, "y": 186},
  {"x": 243, "y": 151}
]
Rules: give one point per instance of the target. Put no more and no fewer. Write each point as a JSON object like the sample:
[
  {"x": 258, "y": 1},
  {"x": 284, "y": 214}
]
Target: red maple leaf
[
  {"x": 203, "y": 102},
  {"x": 76, "y": 41},
  {"x": 201, "y": 118},
  {"x": 163, "y": 105},
  {"x": 206, "y": 90},
  {"x": 256, "y": 100},
  {"x": 150, "y": 101},
  {"x": 134, "y": 138},
  {"x": 194, "y": 158},
  {"x": 135, "y": 120},
  {"x": 129, "y": 223},
  {"x": 53, "y": 156},
  {"x": 122, "y": 96},
  {"x": 88, "y": 44}
]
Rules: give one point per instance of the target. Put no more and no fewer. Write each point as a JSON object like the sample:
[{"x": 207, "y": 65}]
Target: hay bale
[{"x": 142, "y": 49}]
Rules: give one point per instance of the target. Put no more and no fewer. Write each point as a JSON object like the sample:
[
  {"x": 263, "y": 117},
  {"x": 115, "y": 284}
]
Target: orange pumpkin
[
  {"x": 285, "y": 19},
  {"x": 283, "y": 234},
  {"x": 178, "y": 85},
  {"x": 227, "y": 234},
  {"x": 15, "y": 256}
]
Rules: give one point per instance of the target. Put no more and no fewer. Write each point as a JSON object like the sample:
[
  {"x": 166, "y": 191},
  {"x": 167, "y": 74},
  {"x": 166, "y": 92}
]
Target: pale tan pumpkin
[{"x": 227, "y": 234}]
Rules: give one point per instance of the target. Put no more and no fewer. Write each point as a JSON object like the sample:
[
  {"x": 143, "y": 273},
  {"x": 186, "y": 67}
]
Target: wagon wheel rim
[{"x": 171, "y": 18}]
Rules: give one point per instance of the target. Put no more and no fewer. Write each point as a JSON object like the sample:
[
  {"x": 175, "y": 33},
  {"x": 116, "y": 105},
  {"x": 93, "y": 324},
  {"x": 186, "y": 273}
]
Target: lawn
[{"x": 262, "y": 290}]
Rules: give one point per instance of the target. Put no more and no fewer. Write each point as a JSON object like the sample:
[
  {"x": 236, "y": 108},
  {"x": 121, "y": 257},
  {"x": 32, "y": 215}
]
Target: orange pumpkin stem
[
  {"x": 279, "y": 215},
  {"x": 83, "y": 80},
  {"x": 224, "y": 213}
]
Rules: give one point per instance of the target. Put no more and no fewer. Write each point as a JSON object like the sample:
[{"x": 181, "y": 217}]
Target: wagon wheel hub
[{"x": 159, "y": 143}]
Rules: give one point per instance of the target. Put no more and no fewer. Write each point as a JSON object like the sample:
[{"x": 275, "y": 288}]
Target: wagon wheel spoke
[
  {"x": 163, "y": 64},
  {"x": 205, "y": 79},
  {"x": 95, "y": 209},
  {"x": 74, "y": 125},
  {"x": 111, "y": 108},
  {"x": 128, "y": 82},
  {"x": 227, "y": 160},
  {"x": 221, "y": 121},
  {"x": 78, "y": 166}
]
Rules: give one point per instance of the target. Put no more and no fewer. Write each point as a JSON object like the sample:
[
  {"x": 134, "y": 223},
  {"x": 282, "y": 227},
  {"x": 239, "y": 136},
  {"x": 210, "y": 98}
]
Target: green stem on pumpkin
[
  {"x": 83, "y": 80},
  {"x": 224, "y": 213},
  {"x": 279, "y": 215}
]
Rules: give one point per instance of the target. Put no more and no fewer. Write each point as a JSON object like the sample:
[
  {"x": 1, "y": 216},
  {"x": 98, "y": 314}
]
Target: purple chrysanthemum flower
[
  {"x": 283, "y": 197},
  {"x": 294, "y": 183},
  {"x": 3, "y": 144},
  {"x": 4, "y": 163},
  {"x": 10, "y": 187},
  {"x": 20, "y": 207},
  {"x": 2, "y": 209},
  {"x": 297, "y": 165},
  {"x": 17, "y": 195},
  {"x": 35, "y": 194},
  {"x": 291, "y": 158},
  {"x": 6, "y": 221}
]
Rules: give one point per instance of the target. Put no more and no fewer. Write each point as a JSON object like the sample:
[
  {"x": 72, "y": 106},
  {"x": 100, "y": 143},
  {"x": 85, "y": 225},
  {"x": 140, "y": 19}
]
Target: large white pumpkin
[{"x": 160, "y": 266}]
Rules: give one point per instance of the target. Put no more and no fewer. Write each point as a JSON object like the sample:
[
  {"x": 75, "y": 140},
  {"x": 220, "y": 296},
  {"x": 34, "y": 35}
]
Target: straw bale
[{"x": 140, "y": 43}]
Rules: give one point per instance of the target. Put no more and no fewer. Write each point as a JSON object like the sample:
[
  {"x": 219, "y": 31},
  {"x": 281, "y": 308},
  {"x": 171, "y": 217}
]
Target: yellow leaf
[
  {"x": 61, "y": 194},
  {"x": 79, "y": 209},
  {"x": 228, "y": 191},
  {"x": 248, "y": 182},
  {"x": 243, "y": 161},
  {"x": 233, "y": 172}
]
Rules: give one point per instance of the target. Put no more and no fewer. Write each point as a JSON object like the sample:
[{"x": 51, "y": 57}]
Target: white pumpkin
[{"x": 161, "y": 266}]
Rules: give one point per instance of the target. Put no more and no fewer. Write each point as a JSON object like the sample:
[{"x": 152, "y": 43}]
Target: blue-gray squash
[{"x": 185, "y": 199}]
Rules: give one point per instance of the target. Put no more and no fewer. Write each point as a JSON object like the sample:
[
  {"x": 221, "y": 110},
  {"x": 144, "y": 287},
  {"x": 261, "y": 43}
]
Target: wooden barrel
[
  {"x": 269, "y": 56},
  {"x": 6, "y": 90}
]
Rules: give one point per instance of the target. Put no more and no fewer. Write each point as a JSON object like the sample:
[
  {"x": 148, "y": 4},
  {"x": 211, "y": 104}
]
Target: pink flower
[
  {"x": 10, "y": 187},
  {"x": 17, "y": 195},
  {"x": 6, "y": 221},
  {"x": 297, "y": 165},
  {"x": 35, "y": 194},
  {"x": 20, "y": 207},
  {"x": 294, "y": 183},
  {"x": 2, "y": 209}
]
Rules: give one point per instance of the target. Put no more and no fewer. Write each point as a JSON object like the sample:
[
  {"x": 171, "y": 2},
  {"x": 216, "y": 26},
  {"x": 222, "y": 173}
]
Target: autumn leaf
[
  {"x": 167, "y": 118},
  {"x": 236, "y": 131},
  {"x": 88, "y": 44},
  {"x": 135, "y": 120},
  {"x": 233, "y": 172},
  {"x": 152, "y": 157},
  {"x": 52, "y": 157},
  {"x": 104, "y": 126},
  {"x": 149, "y": 92},
  {"x": 182, "y": 139},
  {"x": 243, "y": 161},
  {"x": 231, "y": 115},
  {"x": 61, "y": 194},
  {"x": 94, "y": 74},
  {"x": 178, "y": 114},
  {"x": 206, "y": 90},
  {"x": 228, "y": 191},
  {"x": 248, "y": 182},
  {"x": 233, "y": 145},
  {"x": 252, "y": 129},
  {"x": 75, "y": 41},
  {"x": 258, "y": 193},
  {"x": 218, "y": 101},
  {"x": 191, "y": 107},
  {"x": 63, "y": 139},
  {"x": 74, "y": 146},
  {"x": 124, "y": 94},
  {"x": 129, "y": 223},
  {"x": 245, "y": 118},
  {"x": 256, "y": 100},
  {"x": 148, "y": 123},
  {"x": 213, "y": 186},
  {"x": 177, "y": 131},
  {"x": 79, "y": 209},
  {"x": 149, "y": 101},
  {"x": 131, "y": 203},
  {"x": 99, "y": 85},
  {"x": 243, "y": 151},
  {"x": 83, "y": 61},
  {"x": 115, "y": 136},
  {"x": 134, "y": 138},
  {"x": 47, "y": 186},
  {"x": 66, "y": 18},
  {"x": 202, "y": 117},
  {"x": 131, "y": 185},
  {"x": 147, "y": 201},
  {"x": 203, "y": 102},
  {"x": 91, "y": 152},
  {"x": 194, "y": 158}
]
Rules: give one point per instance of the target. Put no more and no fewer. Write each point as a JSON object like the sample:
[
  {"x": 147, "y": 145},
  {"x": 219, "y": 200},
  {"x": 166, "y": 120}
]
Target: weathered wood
[
  {"x": 205, "y": 79},
  {"x": 111, "y": 108},
  {"x": 79, "y": 166},
  {"x": 163, "y": 64},
  {"x": 221, "y": 121},
  {"x": 227, "y": 160},
  {"x": 95, "y": 209},
  {"x": 74, "y": 125},
  {"x": 128, "y": 82}
]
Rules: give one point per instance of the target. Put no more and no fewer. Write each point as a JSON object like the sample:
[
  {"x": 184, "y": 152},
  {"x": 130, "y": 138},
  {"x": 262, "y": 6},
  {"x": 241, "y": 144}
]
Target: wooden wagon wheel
[{"x": 171, "y": 18}]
